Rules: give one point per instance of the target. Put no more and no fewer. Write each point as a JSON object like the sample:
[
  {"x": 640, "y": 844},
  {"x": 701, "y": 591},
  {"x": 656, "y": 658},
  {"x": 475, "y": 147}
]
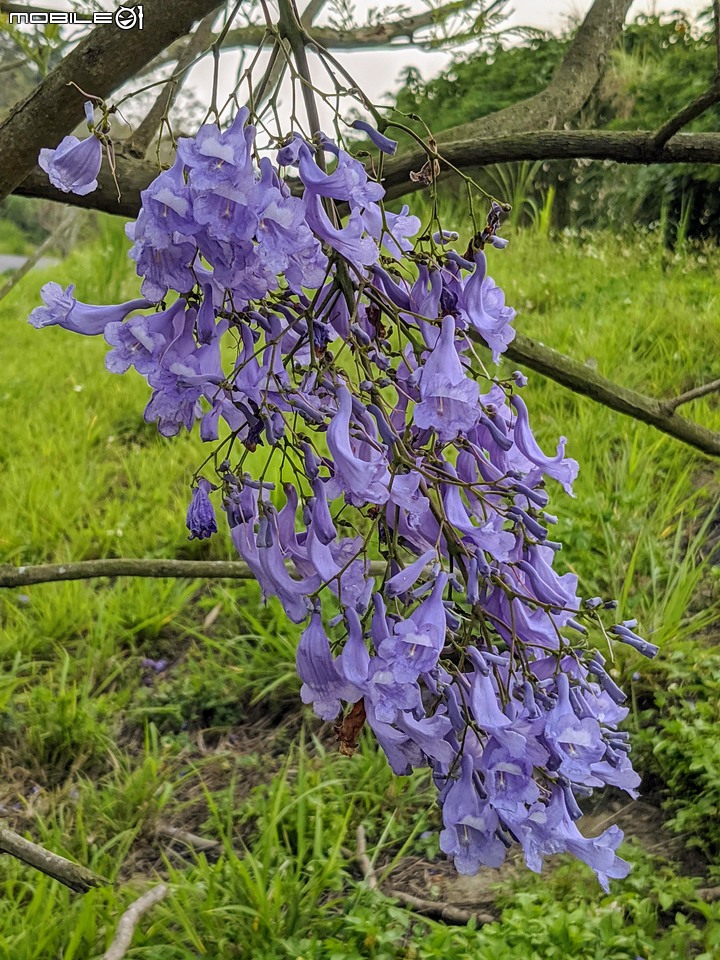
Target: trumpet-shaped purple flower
[
  {"x": 470, "y": 825},
  {"x": 366, "y": 478},
  {"x": 73, "y": 166},
  {"x": 63, "y": 310},
  {"x": 350, "y": 241},
  {"x": 448, "y": 398},
  {"x": 550, "y": 829},
  {"x": 483, "y": 304},
  {"x": 348, "y": 181},
  {"x": 561, "y": 468},
  {"x": 323, "y": 684}
]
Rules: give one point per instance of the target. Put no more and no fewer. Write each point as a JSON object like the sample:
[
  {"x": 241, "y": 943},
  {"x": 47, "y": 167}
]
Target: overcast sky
[{"x": 378, "y": 71}]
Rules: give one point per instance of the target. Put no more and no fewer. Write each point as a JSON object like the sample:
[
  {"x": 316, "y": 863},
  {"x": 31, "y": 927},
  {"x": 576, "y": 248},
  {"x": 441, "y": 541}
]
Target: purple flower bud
[
  {"x": 380, "y": 140},
  {"x": 446, "y": 236},
  {"x": 648, "y": 650},
  {"x": 200, "y": 519}
]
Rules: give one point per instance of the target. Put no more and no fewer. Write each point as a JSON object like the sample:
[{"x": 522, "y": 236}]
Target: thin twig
[
  {"x": 435, "y": 909},
  {"x": 25, "y": 576},
  {"x": 693, "y": 394},
  {"x": 363, "y": 860},
  {"x": 129, "y": 920},
  {"x": 201, "y": 844},
  {"x": 48, "y": 243},
  {"x": 73, "y": 875},
  {"x": 716, "y": 18},
  {"x": 277, "y": 63},
  {"x": 689, "y": 113}
]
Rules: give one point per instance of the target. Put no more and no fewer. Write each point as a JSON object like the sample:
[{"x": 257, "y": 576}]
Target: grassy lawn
[{"x": 103, "y": 754}]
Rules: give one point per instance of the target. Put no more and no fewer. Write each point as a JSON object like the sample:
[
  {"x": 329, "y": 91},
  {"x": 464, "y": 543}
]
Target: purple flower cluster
[{"x": 354, "y": 361}]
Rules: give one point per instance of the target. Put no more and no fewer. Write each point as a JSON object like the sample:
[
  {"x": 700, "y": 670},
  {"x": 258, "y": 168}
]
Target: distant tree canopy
[{"x": 663, "y": 64}]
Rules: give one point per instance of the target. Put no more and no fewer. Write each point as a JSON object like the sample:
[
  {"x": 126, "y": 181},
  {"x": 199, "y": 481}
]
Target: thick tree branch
[
  {"x": 78, "y": 878},
  {"x": 582, "y": 379},
  {"x": 132, "y": 175},
  {"x": 635, "y": 147},
  {"x": 100, "y": 63},
  {"x": 574, "y": 80},
  {"x": 361, "y": 38},
  {"x": 620, "y": 146}
]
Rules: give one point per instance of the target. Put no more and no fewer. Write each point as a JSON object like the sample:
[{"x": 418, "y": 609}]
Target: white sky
[{"x": 377, "y": 71}]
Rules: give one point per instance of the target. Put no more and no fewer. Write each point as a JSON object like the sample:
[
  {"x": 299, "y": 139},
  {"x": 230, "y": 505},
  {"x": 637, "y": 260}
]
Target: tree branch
[
  {"x": 65, "y": 226},
  {"x": 361, "y": 38},
  {"x": 78, "y": 878},
  {"x": 129, "y": 920},
  {"x": 26, "y": 576},
  {"x": 689, "y": 395},
  {"x": 138, "y": 144},
  {"x": 100, "y": 63},
  {"x": 574, "y": 80},
  {"x": 634, "y": 147},
  {"x": 582, "y": 379},
  {"x": 436, "y": 909},
  {"x": 311, "y": 12},
  {"x": 688, "y": 114},
  {"x": 192, "y": 840}
]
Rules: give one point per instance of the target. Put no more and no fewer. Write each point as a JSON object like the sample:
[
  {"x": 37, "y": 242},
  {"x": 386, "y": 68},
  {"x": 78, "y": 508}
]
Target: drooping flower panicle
[{"x": 354, "y": 355}]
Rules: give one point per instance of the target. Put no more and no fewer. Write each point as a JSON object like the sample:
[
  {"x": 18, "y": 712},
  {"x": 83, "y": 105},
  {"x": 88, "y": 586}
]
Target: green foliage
[
  {"x": 677, "y": 714},
  {"x": 664, "y": 64},
  {"x": 487, "y": 81}
]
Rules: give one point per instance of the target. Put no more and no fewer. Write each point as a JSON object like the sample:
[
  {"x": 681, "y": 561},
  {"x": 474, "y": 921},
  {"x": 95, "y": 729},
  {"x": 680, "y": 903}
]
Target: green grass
[{"x": 99, "y": 751}]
